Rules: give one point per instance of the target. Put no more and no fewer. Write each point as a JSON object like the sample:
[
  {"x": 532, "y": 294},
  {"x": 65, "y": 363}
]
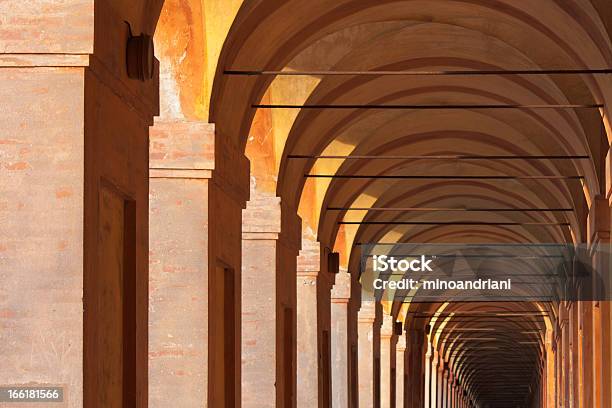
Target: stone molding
[
  {"x": 265, "y": 218},
  {"x": 367, "y": 313},
  {"x": 181, "y": 149},
  {"x": 43, "y": 60},
  {"x": 386, "y": 329},
  {"x": 261, "y": 219},
  {"x": 194, "y": 150},
  {"x": 341, "y": 291},
  {"x": 401, "y": 343},
  {"x": 309, "y": 258}
]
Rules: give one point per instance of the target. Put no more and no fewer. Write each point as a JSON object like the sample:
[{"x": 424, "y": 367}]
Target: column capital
[
  {"x": 441, "y": 364},
  {"x": 341, "y": 291},
  {"x": 181, "y": 149},
  {"x": 367, "y": 312},
  {"x": 401, "y": 343},
  {"x": 194, "y": 150},
  {"x": 261, "y": 219},
  {"x": 265, "y": 218},
  {"x": 386, "y": 329},
  {"x": 435, "y": 357},
  {"x": 309, "y": 257}
]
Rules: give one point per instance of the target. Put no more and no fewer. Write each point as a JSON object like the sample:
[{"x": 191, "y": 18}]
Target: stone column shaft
[
  {"x": 194, "y": 265},
  {"x": 400, "y": 372},
  {"x": 73, "y": 201},
  {"x": 434, "y": 381},
  {"x": 366, "y": 319},
  {"x": 340, "y": 296},
  {"x": 270, "y": 245},
  {"x": 416, "y": 368},
  {"x": 386, "y": 343},
  {"x": 428, "y": 378},
  {"x": 599, "y": 243}
]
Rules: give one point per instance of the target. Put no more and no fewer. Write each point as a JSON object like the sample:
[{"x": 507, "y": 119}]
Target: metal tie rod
[
  {"x": 233, "y": 72},
  {"x": 433, "y": 209},
  {"x": 427, "y": 107},
  {"x": 442, "y": 157},
  {"x": 466, "y": 223},
  {"x": 405, "y": 177}
]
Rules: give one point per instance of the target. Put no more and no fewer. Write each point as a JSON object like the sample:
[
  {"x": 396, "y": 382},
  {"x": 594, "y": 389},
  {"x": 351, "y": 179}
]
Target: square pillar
[
  {"x": 340, "y": 297},
  {"x": 314, "y": 337},
  {"x": 366, "y": 333},
  {"x": 386, "y": 344},
  {"x": 416, "y": 365},
  {"x": 270, "y": 245},
  {"x": 440, "y": 382},
  {"x": 428, "y": 376},
  {"x": 400, "y": 372},
  {"x": 73, "y": 202},
  {"x": 434, "y": 379},
  {"x": 599, "y": 246},
  {"x": 195, "y": 210}
]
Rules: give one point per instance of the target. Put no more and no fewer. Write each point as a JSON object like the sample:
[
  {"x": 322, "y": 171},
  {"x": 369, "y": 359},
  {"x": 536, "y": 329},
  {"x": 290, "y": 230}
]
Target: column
[
  {"x": 435, "y": 376},
  {"x": 428, "y": 376},
  {"x": 445, "y": 393},
  {"x": 340, "y": 296},
  {"x": 270, "y": 245},
  {"x": 440, "y": 383},
  {"x": 565, "y": 356},
  {"x": 313, "y": 330},
  {"x": 599, "y": 246},
  {"x": 386, "y": 339},
  {"x": 606, "y": 306},
  {"x": 549, "y": 384},
  {"x": 416, "y": 368},
  {"x": 194, "y": 267},
  {"x": 365, "y": 322},
  {"x": 449, "y": 389},
  {"x": 400, "y": 372},
  {"x": 73, "y": 201}
]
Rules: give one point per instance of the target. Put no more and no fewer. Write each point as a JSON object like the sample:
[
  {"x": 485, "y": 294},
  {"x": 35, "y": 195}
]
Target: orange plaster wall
[
  {"x": 260, "y": 150},
  {"x": 180, "y": 42}
]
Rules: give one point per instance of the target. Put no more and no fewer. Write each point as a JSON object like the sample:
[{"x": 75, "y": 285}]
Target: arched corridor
[{"x": 199, "y": 228}]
